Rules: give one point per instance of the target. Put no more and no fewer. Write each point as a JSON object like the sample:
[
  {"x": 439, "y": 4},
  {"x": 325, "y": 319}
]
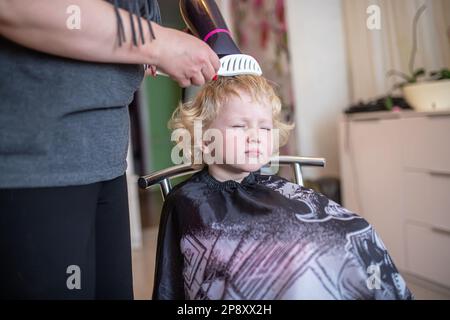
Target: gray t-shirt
[{"x": 62, "y": 121}]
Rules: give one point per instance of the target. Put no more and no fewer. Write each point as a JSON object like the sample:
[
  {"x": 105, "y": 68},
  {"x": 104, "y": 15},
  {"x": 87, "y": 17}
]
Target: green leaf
[
  {"x": 419, "y": 72},
  {"x": 440, "y": 75},
  {"x": 388, "y": 103},
  {"x": 445, "y": 74}
]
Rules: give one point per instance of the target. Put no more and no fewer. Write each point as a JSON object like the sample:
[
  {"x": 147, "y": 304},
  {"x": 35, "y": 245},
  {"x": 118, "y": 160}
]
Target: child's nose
[{"x": 253, "y": 136}]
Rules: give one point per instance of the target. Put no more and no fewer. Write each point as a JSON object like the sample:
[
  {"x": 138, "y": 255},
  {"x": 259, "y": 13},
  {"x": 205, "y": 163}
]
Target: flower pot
[{"x": 428, "y": 96}]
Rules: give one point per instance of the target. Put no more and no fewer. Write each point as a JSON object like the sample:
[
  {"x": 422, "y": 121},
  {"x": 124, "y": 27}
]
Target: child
[{"x": 229, "y": 232}]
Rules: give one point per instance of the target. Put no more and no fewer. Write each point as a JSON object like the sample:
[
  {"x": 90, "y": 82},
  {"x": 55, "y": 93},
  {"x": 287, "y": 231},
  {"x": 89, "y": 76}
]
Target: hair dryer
[{"x": 205, "y": 21}]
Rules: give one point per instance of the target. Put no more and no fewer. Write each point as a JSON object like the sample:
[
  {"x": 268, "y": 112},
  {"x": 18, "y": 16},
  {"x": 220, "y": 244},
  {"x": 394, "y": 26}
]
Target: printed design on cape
[
  {"x": 321, "y": 208},
  {"x": 371, "y": 253},
  {"x": 324, "y": 254},
  {"x": 236, "y": 269}
]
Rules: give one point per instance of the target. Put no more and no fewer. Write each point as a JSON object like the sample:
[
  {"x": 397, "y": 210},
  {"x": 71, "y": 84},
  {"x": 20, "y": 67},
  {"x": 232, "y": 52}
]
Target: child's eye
[
  {"x": 266, "y": 128},
  {"x": 238, "y": 126}
]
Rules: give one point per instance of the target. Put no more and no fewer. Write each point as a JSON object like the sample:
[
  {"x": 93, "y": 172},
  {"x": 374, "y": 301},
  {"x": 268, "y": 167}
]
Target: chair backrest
[{"x": 162, "y": 177}]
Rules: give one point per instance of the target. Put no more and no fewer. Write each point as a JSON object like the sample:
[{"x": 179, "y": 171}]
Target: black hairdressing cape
[{"x": 267, "y": 238}]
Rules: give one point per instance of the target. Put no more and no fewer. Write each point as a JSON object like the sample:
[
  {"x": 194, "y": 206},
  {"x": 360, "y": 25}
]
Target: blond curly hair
[{"x": 207, "y": 103}]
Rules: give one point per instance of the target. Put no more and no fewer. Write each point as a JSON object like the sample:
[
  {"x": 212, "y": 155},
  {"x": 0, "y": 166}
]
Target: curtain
[{"x": 372, "y": 53}]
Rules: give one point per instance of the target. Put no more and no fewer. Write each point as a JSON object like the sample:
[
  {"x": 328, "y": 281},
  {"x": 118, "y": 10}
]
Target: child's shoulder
[
  {"x": 284, "y": 185},
  {"x": 191, "y": 185},
  {"x": 274, "y": 181},
  {"x": 321, "y": 207}
]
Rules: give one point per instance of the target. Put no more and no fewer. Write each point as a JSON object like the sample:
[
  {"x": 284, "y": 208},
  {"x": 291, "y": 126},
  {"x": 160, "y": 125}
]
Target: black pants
[{"x": 66, "y": 242}]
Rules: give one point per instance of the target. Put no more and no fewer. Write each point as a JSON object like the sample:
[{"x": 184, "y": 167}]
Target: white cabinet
[
  {"x": 427, "y": 142},
  {"x": 427, "y": 198},
  {"x": 395, "y": 170},
  {"x": 428, "y": 253}
]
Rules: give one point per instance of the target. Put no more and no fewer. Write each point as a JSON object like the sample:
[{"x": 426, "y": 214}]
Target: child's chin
[{"x": 248, "y": 167}]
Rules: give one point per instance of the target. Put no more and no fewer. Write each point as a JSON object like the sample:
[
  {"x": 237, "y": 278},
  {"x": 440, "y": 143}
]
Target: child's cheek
[
  {"x": 267, "y": 143},
  {"x": 268, "y": 148},
  {"x": 229, "y": 147}
]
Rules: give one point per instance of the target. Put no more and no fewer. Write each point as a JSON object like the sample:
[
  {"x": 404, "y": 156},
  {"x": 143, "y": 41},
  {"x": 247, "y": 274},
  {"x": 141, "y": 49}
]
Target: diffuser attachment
[{"x": 205, "y": 21}]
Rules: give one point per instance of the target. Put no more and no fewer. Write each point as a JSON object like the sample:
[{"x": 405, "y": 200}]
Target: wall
[{"x": 320, "y": 78}]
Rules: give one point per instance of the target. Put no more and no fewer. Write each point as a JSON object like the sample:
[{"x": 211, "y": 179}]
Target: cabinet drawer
[
  {"x": 427, "y": 198},
  {"x": 427, "y": 143},
  {"x": 428, "y": 253}
]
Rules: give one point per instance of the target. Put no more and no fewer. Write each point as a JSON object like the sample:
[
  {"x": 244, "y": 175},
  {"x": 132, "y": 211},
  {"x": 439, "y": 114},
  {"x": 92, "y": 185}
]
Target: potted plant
[{"x": 423, "y": 93}]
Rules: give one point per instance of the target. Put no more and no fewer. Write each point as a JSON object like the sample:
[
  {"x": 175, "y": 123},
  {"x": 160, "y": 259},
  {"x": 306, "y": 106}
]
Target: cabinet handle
[
  {"x": 440, "y": 230},
  {"x": 366, "y": 119},
  {"x": 439, "y": 173},
  {"x": 438, "y": 114}
]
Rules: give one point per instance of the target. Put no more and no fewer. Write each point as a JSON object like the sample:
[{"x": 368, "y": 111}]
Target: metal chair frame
[{"x": 162, "y": 177}]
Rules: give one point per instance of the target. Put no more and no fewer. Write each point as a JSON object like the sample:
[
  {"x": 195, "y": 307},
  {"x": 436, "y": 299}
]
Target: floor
[{"x": 144, "y": 264}]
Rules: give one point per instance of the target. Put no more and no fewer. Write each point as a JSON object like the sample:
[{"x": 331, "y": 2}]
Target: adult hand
[{"x": 183, "y": 57}]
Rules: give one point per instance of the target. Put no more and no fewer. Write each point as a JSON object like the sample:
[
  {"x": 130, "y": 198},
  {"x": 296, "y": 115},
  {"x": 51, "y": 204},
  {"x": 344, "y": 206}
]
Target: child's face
[{"x": 246, "y": 128}]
